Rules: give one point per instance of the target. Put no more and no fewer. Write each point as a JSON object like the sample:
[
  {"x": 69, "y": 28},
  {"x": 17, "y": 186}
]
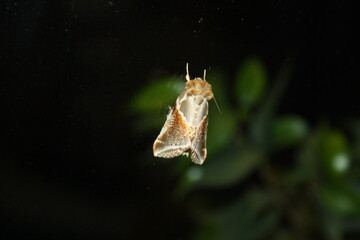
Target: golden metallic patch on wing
[
  {"x": 174, "y": 138},
  {"x": 198, "y": 143}
]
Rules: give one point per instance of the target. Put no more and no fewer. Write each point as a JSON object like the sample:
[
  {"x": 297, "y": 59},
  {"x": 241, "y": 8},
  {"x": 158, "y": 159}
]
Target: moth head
[{"x": 199, "y": 86}]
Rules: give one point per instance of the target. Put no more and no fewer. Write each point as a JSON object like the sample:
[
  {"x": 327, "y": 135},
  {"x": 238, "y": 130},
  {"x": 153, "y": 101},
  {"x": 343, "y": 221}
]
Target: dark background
[{"x": 70, "y": 164}]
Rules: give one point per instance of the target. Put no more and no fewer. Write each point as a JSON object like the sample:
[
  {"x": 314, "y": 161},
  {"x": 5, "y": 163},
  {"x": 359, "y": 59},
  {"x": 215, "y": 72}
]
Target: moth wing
[
  {"x": 198, "y": 145},
  {"x": 174, "y": 138}
]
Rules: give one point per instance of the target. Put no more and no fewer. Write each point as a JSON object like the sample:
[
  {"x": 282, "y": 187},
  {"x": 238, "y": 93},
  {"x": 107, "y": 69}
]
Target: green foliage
[
  {"x": 250, "y": 83},
  {"x": 268, "y": 176},
  {"x": 249, "y": 217},
  {"x": 335, "y": 153},
  {"x": 227, "y": 169},
  {"x": 154, "y": 96},
  {"x": 340, "y": 200},
  {"x": 288, "y": 131}
]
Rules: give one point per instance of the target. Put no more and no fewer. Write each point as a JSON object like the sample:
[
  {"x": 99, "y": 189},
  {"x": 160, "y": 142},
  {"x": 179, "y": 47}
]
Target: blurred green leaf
[
  {"x": 260, "y": 126},
  {"x": 287, "y": 131},
  {"x": 306, "y": 166},
  {"x": 221, "y": 129},
  {"x": 155, "y": 95},
  {"x": 334, "y": 153},
  {"x": 332, "y": 226},
  {"x": 217, "y": 81},
  {"x": 250, "y": 82},
  {"x": 340, "y": 199},
  {"x": 190, "y": 176},
  {"x": 222, "y": 126},
  {"x": 353, "y": 127},
  {"x": 250, "y": 217},
  {"x": 228, "y": 168}
]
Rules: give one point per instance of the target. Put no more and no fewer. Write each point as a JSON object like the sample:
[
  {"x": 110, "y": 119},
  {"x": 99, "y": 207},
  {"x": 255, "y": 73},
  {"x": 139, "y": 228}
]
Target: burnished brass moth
[{"x": 185, "y": 127}]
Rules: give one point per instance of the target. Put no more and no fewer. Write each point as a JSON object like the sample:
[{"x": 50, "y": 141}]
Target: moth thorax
[
  {"x": 209, "y": 95},
  {"x": 199, "y": 86}
]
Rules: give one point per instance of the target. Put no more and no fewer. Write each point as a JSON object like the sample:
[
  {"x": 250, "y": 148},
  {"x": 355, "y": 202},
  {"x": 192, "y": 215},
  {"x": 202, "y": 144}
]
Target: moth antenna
[
  {"x": 217, "y": 104},
  {"x": 187, "y": 77},
  {"x": 204, "y": 75}
]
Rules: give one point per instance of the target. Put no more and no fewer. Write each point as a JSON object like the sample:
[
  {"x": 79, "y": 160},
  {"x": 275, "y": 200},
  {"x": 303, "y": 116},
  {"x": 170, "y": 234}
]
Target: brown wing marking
[
  {"x": 198, "y": 146},
  {"x": 174, "y": 138}
]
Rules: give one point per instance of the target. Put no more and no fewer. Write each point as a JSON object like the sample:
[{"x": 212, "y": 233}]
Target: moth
[{"x": 186, "y": 124}]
